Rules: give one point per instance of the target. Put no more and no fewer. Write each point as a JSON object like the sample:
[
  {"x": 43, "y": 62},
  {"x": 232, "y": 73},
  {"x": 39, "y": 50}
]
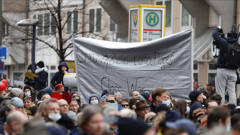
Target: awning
[{"x": 202, "y": 43}]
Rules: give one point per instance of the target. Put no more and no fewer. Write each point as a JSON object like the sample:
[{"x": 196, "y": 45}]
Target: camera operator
[{"x": 225, "y": 78}]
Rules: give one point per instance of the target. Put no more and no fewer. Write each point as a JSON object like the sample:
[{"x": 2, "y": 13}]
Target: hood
[
  {"x": 62, "y": 64},
  {"x": 27, "y": 87},
  {"x": 41, "y": 69},
  {"x": 48, "y": 90}
]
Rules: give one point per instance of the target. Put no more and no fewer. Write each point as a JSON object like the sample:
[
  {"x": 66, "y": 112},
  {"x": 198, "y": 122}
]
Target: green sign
[{"x": 152, "y": 19}]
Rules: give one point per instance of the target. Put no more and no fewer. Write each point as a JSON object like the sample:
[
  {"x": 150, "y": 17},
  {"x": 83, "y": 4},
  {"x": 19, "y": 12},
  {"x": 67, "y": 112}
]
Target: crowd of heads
[{"x": 61, "y": 111}]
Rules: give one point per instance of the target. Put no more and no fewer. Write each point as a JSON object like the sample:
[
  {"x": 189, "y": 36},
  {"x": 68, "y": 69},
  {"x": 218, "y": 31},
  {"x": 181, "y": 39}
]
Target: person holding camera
[{"x": 226, "y": 74}]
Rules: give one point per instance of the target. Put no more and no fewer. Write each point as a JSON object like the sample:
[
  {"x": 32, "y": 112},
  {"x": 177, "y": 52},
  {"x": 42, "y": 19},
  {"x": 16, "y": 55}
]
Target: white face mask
[
  {"x": 54, "y": 116},
  {"x": 94, "y": 102},
  {"x": 27, "y": 94},
  {"x": 30, "y": 117},
  {"x": 168, "y": 102},
  {"x": 188, "y": 110},
  {"x": 37, "y": 67}
]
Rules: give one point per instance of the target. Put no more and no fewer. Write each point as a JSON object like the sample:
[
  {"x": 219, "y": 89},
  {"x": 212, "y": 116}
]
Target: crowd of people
[{"x": 36, "y": 110}]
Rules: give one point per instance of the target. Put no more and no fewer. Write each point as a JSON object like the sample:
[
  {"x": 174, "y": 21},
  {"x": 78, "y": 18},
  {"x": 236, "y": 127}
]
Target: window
[
  {"x": 212, "y": 73},
  {"x": 212, "y": 67},
  {"x": 5, "y": 29},
  {"x": 195, "y": 72},
  {"x": 69, "y": 22},
  {"x": 46, "y": 24},
  {"x": 15, "y": 68},
  {"x": 186, "y": 17},
  {"x": 91, "y": 20},
  {"x": 99, "y": 20},
  {"x": 168, "y": 4},
  {"x": 17, "y": 79},
  {"x": 53, "y": 67},
  {"x": 40, "y": 30},
  {"x": 75, "y": 21},
  {"x": 20, "y": 67},
  {"x": 53, "y": 25},
  {"x": 112, "y": 25}
]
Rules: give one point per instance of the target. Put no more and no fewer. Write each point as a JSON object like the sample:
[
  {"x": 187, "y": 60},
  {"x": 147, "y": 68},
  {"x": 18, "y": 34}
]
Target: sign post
[{"x": 146, "y": 22}]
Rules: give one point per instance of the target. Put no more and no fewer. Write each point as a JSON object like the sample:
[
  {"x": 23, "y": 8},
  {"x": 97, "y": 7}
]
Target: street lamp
[{"x": 34, "y": 23}]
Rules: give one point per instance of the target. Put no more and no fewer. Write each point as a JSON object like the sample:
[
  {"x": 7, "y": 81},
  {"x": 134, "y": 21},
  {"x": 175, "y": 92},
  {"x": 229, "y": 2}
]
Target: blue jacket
[
  {"x": 42, "y": 79},
  {"x": 223, "y": 44},
  {"x": 58, "y": 77}
]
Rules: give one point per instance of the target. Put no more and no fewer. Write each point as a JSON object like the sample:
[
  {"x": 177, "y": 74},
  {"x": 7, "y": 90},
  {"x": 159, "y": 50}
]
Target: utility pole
[{"x": 1, "y": 30}]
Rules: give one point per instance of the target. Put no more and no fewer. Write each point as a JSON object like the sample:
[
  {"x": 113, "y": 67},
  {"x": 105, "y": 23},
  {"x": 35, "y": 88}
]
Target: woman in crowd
[
  {"x": 93, "y": 99},
  {"x": 182, "y": 107},
  {"x": 28, "y": 102},
  {"x": 91, "y": 122},
  {"x": 59, "y": 88},
  {"x": 124, "y": 103}
]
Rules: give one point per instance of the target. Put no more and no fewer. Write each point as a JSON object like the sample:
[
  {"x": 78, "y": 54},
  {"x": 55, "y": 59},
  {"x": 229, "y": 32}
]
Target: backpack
[{"x": 231, "y": 58}]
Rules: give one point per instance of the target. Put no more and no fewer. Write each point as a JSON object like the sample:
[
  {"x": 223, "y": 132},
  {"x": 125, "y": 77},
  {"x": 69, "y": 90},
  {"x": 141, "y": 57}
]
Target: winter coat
[
  {"x": 29, "y": 82},
  {"x": 42, "y": 79},
  {"x": 152, "y": 106},
  {"x": 58, "y": 77}
]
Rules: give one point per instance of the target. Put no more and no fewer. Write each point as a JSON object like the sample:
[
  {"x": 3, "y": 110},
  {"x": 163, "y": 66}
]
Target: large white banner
[{"x": 125, "y": 67}]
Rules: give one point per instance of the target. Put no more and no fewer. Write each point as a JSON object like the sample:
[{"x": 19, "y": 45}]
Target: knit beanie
[
  {"x": 17, "y": 102},
  {"x": 16, "y": 92}
]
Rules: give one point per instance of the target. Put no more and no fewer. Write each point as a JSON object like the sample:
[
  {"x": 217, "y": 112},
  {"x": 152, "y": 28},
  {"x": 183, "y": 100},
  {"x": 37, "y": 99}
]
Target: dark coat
[
  {"x": 152, "y": 106},
  {"x": 29, "y": 82},
  {"x": 58, "y": 77},
  {"x": 42, "y": 79}
]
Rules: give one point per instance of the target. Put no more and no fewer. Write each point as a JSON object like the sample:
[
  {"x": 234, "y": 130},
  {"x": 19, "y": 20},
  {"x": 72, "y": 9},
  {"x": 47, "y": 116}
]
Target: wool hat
[
  {"x": 58, "y": 86},
  {"x": 16, "y": 92},
  {"x": 238, "y": 100},
  {"x": 72, "y": 115},
  {"x": 40, "y": 64},
  {"x": 33, "y": 109},
  {"x": 172, "y": 116},
  {"x": 128, "y": 126},
  {"x": 162, "y": 107},
  {"x": 48, "y": 91},
  {"x": 93, "y": 95},
  {"x": 17, "y": 102},
  {"x": 232, "y": 106},
  {"x": 185, "y": 124},
  {"x": 105, "y": 92},
  {"x": 193, "y": 95},
  {"x": 146, "y": 96},
  {"x": 73, "y": 93}
]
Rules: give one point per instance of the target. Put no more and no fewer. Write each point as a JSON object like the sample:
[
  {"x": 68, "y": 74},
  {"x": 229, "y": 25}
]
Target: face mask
[
  {"x": 228, "y": 128},
  {"x": 30, "y": 117},
  {"x": 188, "y": 110},
  {"x": 27, "y": 94},
  {"x": 168, "y": 102},
  {"x": 36, "y": 99},
  {"x": 94, "y": 102},
  {"x": 37, "y": 67},
  {"x": 115, "y": 105},
  {"x": 164, "y": 102},
  {"x": 54, "y": 116}
]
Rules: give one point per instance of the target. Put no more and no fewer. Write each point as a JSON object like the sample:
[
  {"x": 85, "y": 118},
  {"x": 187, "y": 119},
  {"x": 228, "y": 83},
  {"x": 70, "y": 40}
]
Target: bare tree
[{"x": 57, "y": 14}]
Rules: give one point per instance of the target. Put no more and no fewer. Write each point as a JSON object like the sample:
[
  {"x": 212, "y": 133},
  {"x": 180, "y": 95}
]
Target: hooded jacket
[
  {"x": 27, "y": 87},
  {"x": 42, "y": 79},
  {"x": 58, "y": 77}
]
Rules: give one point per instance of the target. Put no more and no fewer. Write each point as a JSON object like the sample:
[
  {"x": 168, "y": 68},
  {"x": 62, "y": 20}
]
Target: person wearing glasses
[
  {"x": 125, "y": 103},
  {"x": 64, "y": 107}
]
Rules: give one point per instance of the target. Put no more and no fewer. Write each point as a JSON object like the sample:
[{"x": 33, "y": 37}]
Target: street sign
[
  {"x": 146, "y": 22},
  {"x": 1, "y": 67},
  {"x": 3, "y": 53}
]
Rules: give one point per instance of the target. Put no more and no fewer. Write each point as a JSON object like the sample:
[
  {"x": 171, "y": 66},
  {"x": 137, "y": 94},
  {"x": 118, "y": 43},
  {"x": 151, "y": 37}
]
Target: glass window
[
  {"x": 211, "y": 78},
  {"x": 75, "y": 21},
  {"x": 17, "y": 79},
  {"x": 112, "y": 24},
  {"x": 159, "y": 3},
  {"x": 40, "y": 25},
  {"x": 47, "y": 67},
  {"x": 46, "y": 24},
  {"x": 168, "y": 13},
  {"x": 91, "y": 20},
  {"x": 15, "y": 68},
  {"x": 21, "y": 67},
  {"x": 212, "y": 67},
  {"x": 195, "y": 76},
  {"x": 69, "y": 22},
  {"x": 195, "y": 66},
  {"x": 53, "y": 25},
  {"x": 185, "y": 17},
  {"x": 53, "y": 67},
  {"x": 99, "y": 20},
  {"x": 51, "y": 75}
]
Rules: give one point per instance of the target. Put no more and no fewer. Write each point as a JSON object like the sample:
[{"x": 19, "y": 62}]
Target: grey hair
[
  {"x": 5, "y": 106},
  {"x": 44, "y": 95},
  {"x": 87, "y": 113},
  {"x": 118, "y": 94},
  {"x": 109, "y": 109}
]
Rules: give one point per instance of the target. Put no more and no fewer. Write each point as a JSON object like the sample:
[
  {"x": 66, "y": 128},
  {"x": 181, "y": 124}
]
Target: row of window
[
  {"x": 20, "y": 67},
  {"x": 211, "y": 73},
  {"x": 186, "y": 19}
]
